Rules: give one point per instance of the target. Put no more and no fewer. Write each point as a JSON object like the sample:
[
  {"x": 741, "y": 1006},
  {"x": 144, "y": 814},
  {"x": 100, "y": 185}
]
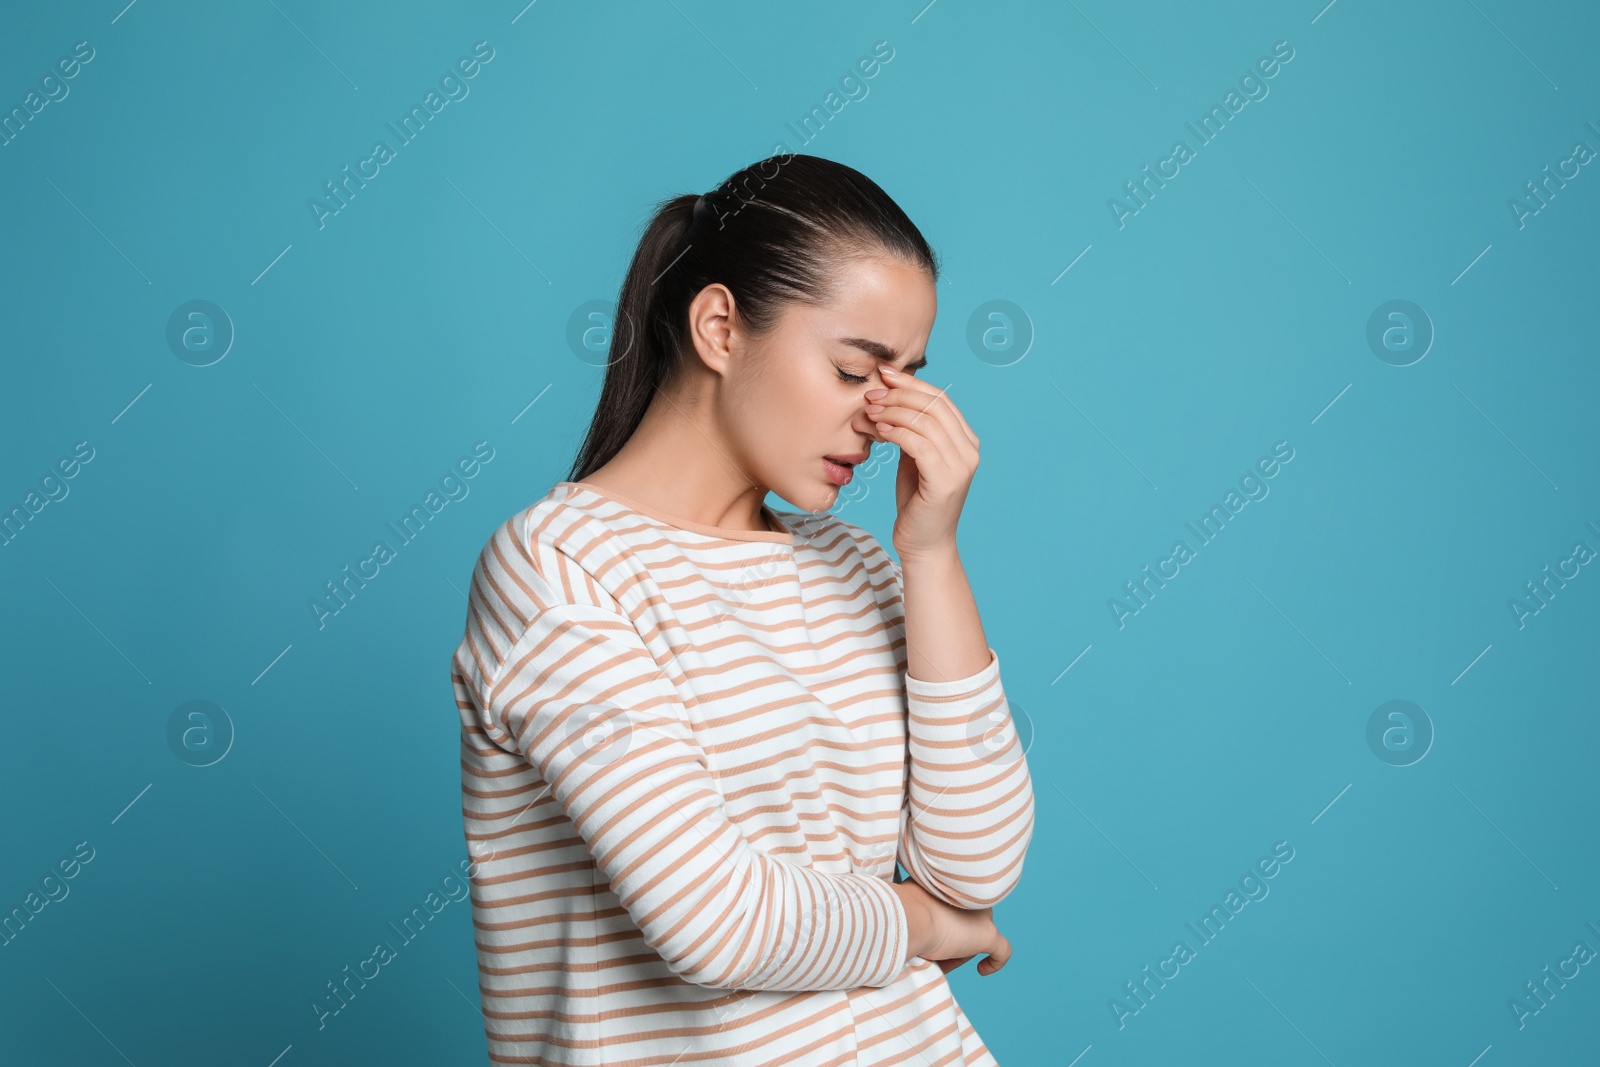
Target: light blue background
[{"x": 1229, "y": 314}]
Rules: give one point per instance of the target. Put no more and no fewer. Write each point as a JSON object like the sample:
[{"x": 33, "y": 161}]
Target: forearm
[
  {"x": 944, "y": 636},
  {"x": 969, "y": 810}
]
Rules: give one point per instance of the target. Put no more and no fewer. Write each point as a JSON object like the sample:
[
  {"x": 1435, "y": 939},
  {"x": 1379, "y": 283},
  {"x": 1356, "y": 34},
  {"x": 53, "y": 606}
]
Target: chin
[
  {"x": 826, "y": 498},
  {"x": 813, "y": 500}
]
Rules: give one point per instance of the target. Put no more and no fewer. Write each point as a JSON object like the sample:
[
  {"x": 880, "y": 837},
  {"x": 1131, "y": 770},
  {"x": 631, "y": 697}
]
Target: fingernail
[
  {"x": 890, "y": 371},
  {"x": 877, "y": 394}
]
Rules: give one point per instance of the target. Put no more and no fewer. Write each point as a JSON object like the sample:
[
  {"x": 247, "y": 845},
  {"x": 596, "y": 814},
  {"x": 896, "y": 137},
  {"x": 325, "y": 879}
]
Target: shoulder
[
  {"x": 547, "y": 553},
  {"x": 533, "y": 577}
]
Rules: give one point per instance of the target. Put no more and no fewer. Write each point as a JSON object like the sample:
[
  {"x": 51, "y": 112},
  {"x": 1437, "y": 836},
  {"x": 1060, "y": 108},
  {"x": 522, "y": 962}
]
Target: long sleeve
[
  {"x": 580, "y": 697},
  {"x": 968, "y": 816}
]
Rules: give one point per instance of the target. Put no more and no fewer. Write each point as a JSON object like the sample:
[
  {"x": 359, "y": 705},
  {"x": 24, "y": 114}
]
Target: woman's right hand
[{"x": 948, "y": 935}]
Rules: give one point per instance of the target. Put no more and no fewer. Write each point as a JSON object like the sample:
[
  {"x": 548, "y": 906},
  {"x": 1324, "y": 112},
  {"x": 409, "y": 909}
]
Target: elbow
[
  {"x": 977, "y": 896},
  {"x": 974, "y": 882},
  {"x": 718, "y": 947},
  {"x": 729, "y": 957},
  {"x": 1010, "y": 876},
  {"x": 716, "y": 957},
  {"x": 712, "y": 969},
  {"x": 714, "y": 972},
  {"x": 702, "y": 974},
  {"x": 774, "y": 941},
  {"x": 741, "y": 965}
]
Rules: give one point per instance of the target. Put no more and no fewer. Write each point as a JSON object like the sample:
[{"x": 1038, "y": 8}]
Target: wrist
[{"x": 933, "y": 556}]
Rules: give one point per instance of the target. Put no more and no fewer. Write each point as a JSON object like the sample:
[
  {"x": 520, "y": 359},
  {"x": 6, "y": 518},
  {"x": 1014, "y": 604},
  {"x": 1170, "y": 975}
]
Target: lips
[{"x": 841, "y": 468}]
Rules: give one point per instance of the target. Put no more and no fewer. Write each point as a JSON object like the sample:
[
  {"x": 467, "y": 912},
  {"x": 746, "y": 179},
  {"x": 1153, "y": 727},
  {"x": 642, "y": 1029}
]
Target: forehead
[{"x": 879, "y": 297}]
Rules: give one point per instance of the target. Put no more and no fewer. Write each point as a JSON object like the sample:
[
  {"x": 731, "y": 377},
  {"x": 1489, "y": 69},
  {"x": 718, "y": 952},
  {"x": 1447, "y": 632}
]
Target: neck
[{"x": 679, "y": 462}]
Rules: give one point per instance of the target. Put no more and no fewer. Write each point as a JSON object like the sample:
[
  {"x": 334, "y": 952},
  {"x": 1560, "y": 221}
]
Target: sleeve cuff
[
  {"x": 960, "y": 687},
  {"x": 895, "y": 961}
]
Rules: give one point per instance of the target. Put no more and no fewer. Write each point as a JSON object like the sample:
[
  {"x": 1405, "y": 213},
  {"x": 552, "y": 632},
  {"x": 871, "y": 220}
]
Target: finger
[
  {"x": 910, "y": 387},
  {"x": 949, "y": 965},
  {"x": 928, "y": 399},
  {"x": 922, "y": 444},
  {"x": 957, "y": 456},
  {"x": 926, "y": 405},
  {"x": 939, "y": 406}
]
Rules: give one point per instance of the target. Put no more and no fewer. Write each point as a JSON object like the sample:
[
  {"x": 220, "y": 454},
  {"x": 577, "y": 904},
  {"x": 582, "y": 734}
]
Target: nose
[{"x": 864, "y": 425}]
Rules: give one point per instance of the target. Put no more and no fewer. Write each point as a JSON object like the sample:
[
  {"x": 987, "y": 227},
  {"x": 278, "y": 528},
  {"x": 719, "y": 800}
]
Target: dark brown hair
[{"x": 773, "y": 233}]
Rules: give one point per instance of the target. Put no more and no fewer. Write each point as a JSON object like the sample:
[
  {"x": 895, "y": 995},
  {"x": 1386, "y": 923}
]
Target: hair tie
[{"x": 703, "y": 211}]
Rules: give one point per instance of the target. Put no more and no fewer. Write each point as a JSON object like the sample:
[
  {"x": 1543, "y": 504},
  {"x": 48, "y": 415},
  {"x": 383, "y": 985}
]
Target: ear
[{"x": 714, "y": 332}]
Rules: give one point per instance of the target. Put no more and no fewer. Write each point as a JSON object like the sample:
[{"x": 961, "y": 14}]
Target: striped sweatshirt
[{"x": 691, "y": 759}]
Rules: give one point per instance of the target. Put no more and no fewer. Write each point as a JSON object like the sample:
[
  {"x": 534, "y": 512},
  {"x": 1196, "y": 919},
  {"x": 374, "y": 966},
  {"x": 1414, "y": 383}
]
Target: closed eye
[{"x": 845, "y": 375}]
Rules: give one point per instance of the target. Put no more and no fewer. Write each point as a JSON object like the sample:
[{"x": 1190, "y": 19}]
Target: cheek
[
  {"x": 775, "y": 415},
  {"x": 784, "y": 416}
]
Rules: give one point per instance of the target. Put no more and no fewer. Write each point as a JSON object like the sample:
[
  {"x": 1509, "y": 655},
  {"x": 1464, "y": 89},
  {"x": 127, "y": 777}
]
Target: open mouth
[{"x": 839, "y": 471}]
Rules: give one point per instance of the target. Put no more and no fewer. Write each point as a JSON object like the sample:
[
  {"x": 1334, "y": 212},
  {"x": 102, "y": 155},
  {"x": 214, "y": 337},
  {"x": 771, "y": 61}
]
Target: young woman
[{"x": 698, "y": 734}]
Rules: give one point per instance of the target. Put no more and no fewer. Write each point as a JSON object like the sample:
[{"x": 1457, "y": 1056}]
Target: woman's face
[{"x": 798, "y": 394}]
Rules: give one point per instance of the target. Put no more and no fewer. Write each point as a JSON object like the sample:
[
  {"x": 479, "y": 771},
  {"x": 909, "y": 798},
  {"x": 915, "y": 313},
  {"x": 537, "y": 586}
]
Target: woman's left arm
[
  {"x": 969, "y": 813},
  {"x": 968, "y": 817}
]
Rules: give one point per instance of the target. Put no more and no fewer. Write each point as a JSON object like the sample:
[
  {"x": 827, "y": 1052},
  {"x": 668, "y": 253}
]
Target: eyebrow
[{"x": 882, "y": 352}]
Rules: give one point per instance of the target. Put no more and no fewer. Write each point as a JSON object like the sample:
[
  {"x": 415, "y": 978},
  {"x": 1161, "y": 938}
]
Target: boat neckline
[{"x": 786, "y": 537}]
